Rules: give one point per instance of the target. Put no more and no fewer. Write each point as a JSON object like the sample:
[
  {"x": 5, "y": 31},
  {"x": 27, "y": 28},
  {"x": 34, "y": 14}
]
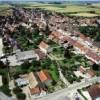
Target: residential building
[
  {"x": 90, "y": 73},
  {"x": 37, "y": 92},
  {"x": 26, "y": 55},
  {"x": 33, "y": 80},
  {"x": 94, "y": 92},
  {"x": 55, "y": 36},
  {"x": 40, "y": 54},
  {"x": 45, "y": 77},
  {"x": 84, "y": 72},
  {"x": 22, "y": 81},
  {"x": 45, "y": 48}
]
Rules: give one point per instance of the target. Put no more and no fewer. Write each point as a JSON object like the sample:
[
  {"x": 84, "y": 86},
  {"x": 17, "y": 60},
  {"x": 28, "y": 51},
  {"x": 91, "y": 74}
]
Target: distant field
[
  {"x": 81, "y": 10},
  {"x": 84, "y": 14},
  {"x": 5, "y": 10},
  {"x": 96, "y": 5}
]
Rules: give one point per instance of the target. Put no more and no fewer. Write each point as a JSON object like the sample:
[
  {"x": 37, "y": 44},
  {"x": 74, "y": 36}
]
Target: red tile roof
[
  {"x": 88, "y": 51},
  {"x": 44, "y": 75},
  {"x": 43, "y": 45},
  {"x": 56, "y": 34},
  {"x": 93, "y": 55},
  {"x": 36, "y": 90}
]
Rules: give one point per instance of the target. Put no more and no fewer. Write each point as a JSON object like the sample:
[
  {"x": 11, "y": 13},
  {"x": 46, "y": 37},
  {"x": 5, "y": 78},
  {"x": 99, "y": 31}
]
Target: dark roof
[
  {"x": 40, "y": 54},
  {"x": 97, "y": 44},
  {"x": 94, "y": 91}
]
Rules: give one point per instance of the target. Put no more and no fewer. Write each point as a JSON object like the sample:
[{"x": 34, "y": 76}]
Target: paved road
[
  {"x": 4, "y": 97},
  {"x": 66, "y": 91}
]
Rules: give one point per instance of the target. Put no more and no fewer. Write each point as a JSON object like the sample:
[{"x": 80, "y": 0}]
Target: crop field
[
  {"x": 5, "y": 10},
  {"x": 84, "y": 14},
  {"x": 96, "y": 5},
  {"x": 71, "y": 9}
]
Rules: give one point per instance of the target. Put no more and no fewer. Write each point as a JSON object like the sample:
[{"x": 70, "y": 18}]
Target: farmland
[
  {"x": 5, "y": 10},
  {"x": 71, "y": 9}
]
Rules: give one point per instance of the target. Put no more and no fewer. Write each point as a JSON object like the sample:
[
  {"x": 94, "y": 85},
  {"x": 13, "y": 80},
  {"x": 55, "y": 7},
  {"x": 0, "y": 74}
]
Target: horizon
[{"x": 50, "y": 0}]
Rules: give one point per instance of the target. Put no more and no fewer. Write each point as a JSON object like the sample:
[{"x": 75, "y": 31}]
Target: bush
[
  {"x": 5, "y": 89},
  {"x": 21, "y": 96},
  {"x": 17, "y": 90}
]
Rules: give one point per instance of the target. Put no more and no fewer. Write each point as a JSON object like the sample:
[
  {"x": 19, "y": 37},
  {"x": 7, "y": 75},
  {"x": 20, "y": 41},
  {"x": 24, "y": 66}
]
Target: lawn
[{"x": 53, "y": 71}]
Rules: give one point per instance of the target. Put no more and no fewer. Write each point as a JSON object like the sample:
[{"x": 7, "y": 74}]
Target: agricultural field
[
  {"x": 84, "y": 14},
  {"x": 5, "y": 10},
  {"x": 71, "y": 9},
  {"x": 96, "y": 5}
]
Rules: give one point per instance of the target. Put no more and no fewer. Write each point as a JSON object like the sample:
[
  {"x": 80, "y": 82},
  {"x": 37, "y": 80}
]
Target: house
[
  {"x": 81, "y": 69},
  {"x": 40, "y": 54},
  {"x": 26, "y": 55},
  {"x": 22, "y": 81},
  {"x": 45, "y": 48},
  {"x": 84, "y": 72},
  {"x": 97, "y": 46},
  {"x": 55, "y": 36},
  {"x": 45, "y": 77},
  {"x": 90, "y": 73},
  {"x": 37, "y": 91},
  {"x": 94, "y": 92},
  {"x": 33, "y": 80},
  {"x": 93, "y": 56}
]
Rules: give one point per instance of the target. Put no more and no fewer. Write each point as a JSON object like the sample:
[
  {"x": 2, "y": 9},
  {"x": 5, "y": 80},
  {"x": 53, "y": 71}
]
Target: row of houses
[
  {"x": 36, "y": 82},
  {"x": 84, "y": 72},
  {"x": 18, "y": 57},
  {"x": 81, "y": 44}
]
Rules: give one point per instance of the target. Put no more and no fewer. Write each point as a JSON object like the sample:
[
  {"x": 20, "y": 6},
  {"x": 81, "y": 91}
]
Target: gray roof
[
  {"x": 97, "y": 44},
  {"x": 25, "y": 55}
]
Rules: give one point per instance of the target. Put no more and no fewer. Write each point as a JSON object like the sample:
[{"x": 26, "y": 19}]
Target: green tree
[{"x": 21, "y": 96}]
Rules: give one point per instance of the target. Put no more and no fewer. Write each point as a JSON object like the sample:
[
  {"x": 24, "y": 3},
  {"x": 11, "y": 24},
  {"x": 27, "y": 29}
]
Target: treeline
[{"x": 91, "y": 31}]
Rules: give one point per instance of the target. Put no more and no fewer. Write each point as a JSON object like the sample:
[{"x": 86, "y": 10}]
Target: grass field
[{"x": 71, "y": 9}]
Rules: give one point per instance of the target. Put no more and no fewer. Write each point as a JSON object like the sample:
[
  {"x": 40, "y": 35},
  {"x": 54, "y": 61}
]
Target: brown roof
[
  {"x": 33, "y": 82},
  {"x": 94, "y": 91},
  {"x": 36, "y": 90},
  {"x": 88, "y": 51},
  {"x": 93, "y": 55},
  {"x": 40, "y": 54},
  {"x": 81, "y": 69},
  {"x": 56, "y": 34},
  {"x": 44, "y": 75},
  {"x": 43, "y": 45},
  {"x": 91, "y": 72}
]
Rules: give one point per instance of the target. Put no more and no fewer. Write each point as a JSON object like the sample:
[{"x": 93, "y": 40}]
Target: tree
[
  {"x": 21, "y": 96},
  {"x": 17, "y": 90},
  {"x": 5, "y": 89}
]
